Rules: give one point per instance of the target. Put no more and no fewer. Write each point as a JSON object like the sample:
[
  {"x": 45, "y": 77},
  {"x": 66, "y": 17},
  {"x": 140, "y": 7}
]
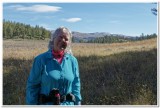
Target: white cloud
[
  {"x": 14, "y": 6},
  {"x": 72, "y": 20},
  {"x": 37, "y": 8}
]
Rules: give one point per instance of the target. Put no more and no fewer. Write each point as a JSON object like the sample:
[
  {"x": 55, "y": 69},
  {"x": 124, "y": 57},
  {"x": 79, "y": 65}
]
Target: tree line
[
  {"x": 16, "y": 30},
  {"x": 118, "y": 39}
]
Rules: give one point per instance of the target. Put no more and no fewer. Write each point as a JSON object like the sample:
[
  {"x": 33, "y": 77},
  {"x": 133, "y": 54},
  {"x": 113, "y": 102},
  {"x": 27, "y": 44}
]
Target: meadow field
[{"x": 111, "y": 74}]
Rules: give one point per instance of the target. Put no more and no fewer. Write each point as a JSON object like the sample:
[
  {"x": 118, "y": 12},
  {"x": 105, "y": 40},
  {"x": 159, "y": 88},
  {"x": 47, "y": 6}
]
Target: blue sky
[{"x": 130, "y": 19}]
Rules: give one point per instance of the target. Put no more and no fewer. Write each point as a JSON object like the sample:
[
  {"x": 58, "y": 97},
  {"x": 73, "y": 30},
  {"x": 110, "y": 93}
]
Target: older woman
[{"x": 54, "y": 77}]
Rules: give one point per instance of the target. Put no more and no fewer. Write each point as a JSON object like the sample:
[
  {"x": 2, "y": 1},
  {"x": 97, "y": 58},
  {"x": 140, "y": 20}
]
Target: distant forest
[
  {"x": 16, "y": 30},
  {"x": 119, "y": 38}
]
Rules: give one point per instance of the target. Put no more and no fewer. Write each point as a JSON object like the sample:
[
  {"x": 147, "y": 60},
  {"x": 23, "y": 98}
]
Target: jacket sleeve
[
  {"x": 76, "y": 86},
  {"x": 33, "y": 83}
]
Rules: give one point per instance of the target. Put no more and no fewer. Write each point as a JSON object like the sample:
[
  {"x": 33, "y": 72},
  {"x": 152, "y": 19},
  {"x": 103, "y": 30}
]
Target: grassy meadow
[{"x": 111, "y": 74}]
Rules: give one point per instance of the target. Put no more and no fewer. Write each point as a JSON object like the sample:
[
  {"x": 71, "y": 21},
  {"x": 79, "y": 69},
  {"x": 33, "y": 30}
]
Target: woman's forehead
[{"x": 63, "y": 33}]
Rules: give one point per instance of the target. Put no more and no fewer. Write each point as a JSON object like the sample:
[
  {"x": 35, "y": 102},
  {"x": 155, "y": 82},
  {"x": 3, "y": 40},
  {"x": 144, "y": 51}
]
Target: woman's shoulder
[
  {"x": 44, "y": 55},
  {"x": 71, "y": 57}
]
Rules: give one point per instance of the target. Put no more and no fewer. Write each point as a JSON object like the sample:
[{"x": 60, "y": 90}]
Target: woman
[{"x": 54, "y": 77}]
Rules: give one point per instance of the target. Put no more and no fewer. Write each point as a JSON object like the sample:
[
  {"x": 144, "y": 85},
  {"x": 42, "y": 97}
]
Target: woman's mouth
[{"x": 64, "y": 45}]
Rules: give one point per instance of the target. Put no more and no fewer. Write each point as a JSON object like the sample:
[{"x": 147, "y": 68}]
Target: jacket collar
[{"x": 49, "y": 54}]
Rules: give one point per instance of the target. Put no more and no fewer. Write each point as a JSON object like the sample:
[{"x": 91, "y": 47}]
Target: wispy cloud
[
  {"x": 72, "y": 20},
  {"x": 37, "y": 8},
  {"x": 13, "y": 6}
]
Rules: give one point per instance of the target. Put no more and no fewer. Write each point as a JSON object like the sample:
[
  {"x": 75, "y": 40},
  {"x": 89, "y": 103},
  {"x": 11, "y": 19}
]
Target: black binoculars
[{"x": 54, "y": 97}]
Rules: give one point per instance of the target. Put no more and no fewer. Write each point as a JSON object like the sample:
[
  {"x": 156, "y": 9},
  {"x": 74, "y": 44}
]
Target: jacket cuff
[{"x": 78, "y": 103}]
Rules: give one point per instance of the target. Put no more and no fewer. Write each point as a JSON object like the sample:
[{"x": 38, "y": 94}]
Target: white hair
[{"x": 55, "y": 34}]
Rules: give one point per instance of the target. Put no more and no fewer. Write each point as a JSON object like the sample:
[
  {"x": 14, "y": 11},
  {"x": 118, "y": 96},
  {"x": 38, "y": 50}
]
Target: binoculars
[{"x": 54, "y": 97}]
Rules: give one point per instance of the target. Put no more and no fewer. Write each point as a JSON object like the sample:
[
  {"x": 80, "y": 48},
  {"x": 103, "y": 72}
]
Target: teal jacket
[{"x": 47, "y": 73}]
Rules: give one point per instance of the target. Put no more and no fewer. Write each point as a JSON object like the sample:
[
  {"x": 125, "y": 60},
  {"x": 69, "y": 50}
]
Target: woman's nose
[{"x": 63, "y": 39}]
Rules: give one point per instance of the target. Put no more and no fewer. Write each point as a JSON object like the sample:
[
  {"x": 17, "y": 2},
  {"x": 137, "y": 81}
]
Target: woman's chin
[
  {"x": 61, "y": 49},
  {"x": 58, "y": 50}
]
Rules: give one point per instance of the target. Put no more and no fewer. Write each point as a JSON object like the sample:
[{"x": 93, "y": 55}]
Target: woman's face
[{"x": 61, "y": 41}]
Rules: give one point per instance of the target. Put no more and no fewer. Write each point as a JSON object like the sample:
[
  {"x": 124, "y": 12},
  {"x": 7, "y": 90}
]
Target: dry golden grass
[
  {"x": 30, "y": 48},
  {"x": 23, "y": 48},
  {"x": 111, "y": 74},
  {"x": 108, "y": 49}
]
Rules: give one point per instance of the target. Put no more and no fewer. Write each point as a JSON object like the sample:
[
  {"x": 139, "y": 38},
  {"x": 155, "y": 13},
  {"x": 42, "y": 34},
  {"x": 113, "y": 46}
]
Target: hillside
[
  {"x": 102, "y": 37},
  {"x": 85, "y": 37}
]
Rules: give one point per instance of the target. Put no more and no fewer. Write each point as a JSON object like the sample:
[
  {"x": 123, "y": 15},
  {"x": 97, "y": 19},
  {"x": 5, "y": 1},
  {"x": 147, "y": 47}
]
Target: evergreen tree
[{"x": 9, "y": 32}]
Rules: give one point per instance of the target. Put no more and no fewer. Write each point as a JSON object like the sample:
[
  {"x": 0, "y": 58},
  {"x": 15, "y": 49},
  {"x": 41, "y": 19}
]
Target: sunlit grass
[
  {"x": 111, "y": 74},
  {"x": 30, "y": 48}
]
